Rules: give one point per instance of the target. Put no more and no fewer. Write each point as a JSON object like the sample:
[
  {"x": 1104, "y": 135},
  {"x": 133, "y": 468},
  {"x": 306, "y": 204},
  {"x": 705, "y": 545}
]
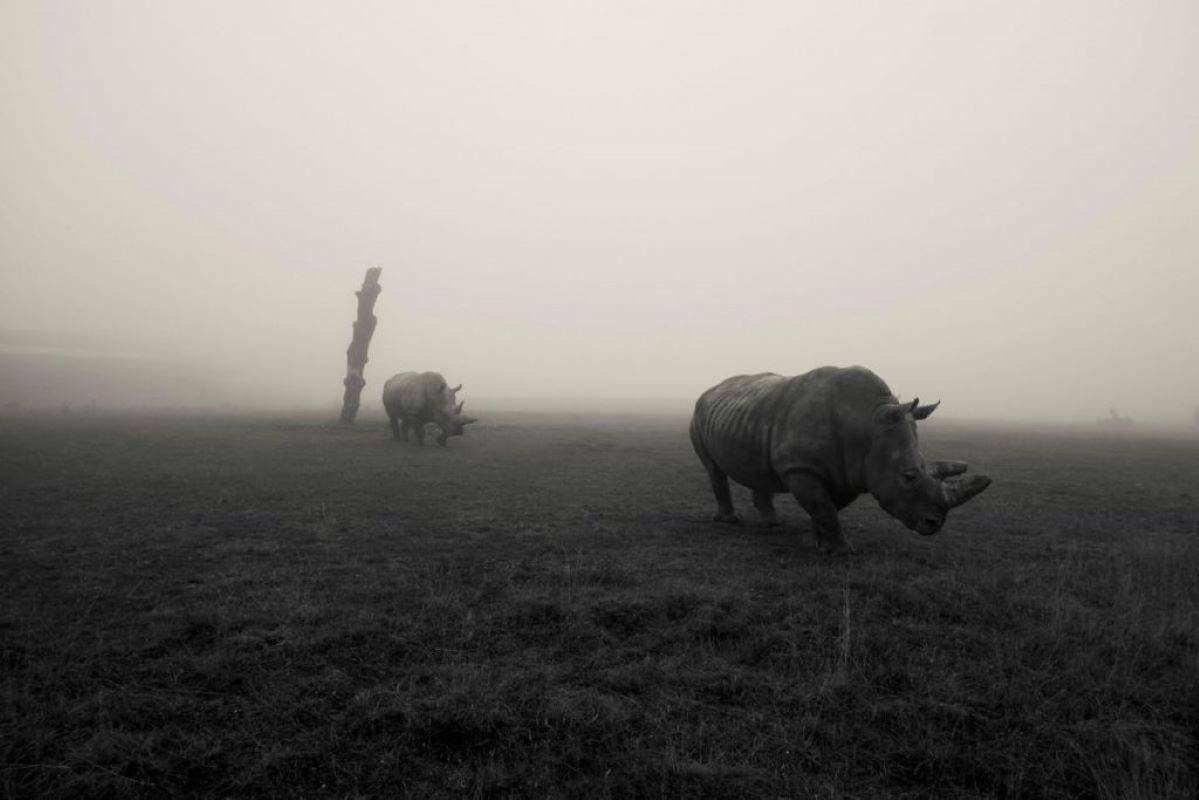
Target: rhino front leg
[
  {"x": 396, "y": 432},
  {"x": 814, "y": 498},
  {"x": 764, "y": 502},
  {"x": 418, "y": 431},
  {"x": 441, "y": 440}
]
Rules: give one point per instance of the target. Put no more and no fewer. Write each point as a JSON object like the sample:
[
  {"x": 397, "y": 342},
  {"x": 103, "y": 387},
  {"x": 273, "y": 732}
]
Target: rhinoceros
[
  {"x": 414, "y": 399},
  {"x": 826, "y": 437}
]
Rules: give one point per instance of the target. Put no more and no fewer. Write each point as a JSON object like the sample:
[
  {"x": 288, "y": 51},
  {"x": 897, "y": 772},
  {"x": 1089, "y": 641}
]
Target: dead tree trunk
[{"x": 364, "y": 328}]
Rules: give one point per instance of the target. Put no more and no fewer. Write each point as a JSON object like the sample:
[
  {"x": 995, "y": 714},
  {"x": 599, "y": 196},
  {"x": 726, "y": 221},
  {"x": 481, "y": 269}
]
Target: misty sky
[{"x": 991, "y": 204}]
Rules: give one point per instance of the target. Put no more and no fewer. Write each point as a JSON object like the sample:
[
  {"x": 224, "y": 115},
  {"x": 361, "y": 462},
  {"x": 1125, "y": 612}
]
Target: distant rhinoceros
[
  {"x": 826, "y": 437},
  {"x": 414, "y": 399}
]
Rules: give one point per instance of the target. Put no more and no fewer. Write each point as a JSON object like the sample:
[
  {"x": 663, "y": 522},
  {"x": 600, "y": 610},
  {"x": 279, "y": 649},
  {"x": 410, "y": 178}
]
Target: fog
[{"x": 990, "y": 204}]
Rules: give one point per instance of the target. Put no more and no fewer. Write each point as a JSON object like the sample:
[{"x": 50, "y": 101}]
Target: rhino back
[{"x": 408, "y": 394}]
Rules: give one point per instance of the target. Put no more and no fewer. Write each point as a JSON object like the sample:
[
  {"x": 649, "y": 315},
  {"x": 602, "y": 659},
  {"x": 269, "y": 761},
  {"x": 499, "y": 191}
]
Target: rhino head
[
  {"x": 447, "y": 413},
  {"x": 916, "y": 493}
]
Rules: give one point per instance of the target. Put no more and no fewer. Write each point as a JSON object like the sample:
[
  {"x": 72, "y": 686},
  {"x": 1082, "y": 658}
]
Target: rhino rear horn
[
  {"x": 956, "y": 491},
  {"x": 458, "y": 408},
  {"x": 946, "y": 469}
]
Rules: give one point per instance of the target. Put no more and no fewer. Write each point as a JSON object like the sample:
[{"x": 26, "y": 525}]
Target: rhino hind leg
[
  {"x": 764, "y": 502},
  {"x": 418, "y": 432},
  {"x": 716, "y": 477},
  {"x": 724, "y": 498},
  {"x": 812, "y": 495},
  {"x": 397, "y": 432}
]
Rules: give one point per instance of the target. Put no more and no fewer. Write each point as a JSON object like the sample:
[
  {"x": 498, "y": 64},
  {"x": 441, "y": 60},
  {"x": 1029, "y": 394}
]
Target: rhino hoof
[
  {"x": 729, "y": 519},
  {"x": 841, "y": 548}
]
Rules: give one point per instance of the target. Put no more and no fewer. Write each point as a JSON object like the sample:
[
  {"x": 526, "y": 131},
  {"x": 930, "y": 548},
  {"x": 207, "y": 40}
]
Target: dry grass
[{"x": 249, "y": 607}]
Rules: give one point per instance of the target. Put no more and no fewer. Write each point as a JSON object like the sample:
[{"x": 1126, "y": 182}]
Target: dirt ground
[{"x": 258, "y": 605}]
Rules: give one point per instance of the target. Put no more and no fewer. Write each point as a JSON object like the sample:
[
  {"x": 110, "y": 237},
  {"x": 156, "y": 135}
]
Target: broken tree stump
[{"x": 364, "y": 328}]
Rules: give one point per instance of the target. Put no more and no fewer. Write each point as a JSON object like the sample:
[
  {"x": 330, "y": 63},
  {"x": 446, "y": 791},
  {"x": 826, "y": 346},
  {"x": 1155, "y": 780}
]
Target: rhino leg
[
  {"x": 813, "y": 497},
  {"x": 441, "y": 440},
  {"x": 764, "y": 502},
  {"x": 397, "y": 432},
  {"x": 724, "y": 499},
  {"x": 418, "y": 431}
]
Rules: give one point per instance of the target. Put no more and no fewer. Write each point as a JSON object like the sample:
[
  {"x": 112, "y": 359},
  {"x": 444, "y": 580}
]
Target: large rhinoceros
[
  {"x": 414, "y": 399},
  {"x": 826, "y": 437}
]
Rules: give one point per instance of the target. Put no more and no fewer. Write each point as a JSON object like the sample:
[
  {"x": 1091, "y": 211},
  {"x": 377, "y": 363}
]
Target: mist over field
[{"x": 992, "y": 205}]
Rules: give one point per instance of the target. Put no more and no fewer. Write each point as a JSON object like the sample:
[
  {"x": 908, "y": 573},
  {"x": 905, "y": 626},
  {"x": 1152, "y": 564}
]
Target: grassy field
[{"x": 254, "y": 606}]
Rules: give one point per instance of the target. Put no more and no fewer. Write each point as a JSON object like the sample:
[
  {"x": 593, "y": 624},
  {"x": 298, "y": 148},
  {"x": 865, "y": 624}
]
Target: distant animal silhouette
[
  {"x": 414, "y": 399},
  {"x": 826, "y": 436},
  {"x": 1114, "y": 420}
]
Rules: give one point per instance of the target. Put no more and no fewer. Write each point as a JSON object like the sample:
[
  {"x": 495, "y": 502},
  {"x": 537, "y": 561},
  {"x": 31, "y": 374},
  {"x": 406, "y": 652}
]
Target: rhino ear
[
  {"x": 922, "y": 412},
  {"x": 890, "y": 414},
  {"x": 893, "y": 413}
]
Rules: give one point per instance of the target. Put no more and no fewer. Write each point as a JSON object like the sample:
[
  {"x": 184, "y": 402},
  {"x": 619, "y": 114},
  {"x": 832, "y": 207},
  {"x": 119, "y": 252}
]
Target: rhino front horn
[
  {"x": 456, "y": 388},
  {"x": 956, "y": 491},
  {"x": 946, "y": 469}
]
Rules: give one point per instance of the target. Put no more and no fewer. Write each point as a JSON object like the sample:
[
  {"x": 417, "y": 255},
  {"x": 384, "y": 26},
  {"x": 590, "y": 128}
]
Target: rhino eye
[{"x": 911, "y": 474}]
